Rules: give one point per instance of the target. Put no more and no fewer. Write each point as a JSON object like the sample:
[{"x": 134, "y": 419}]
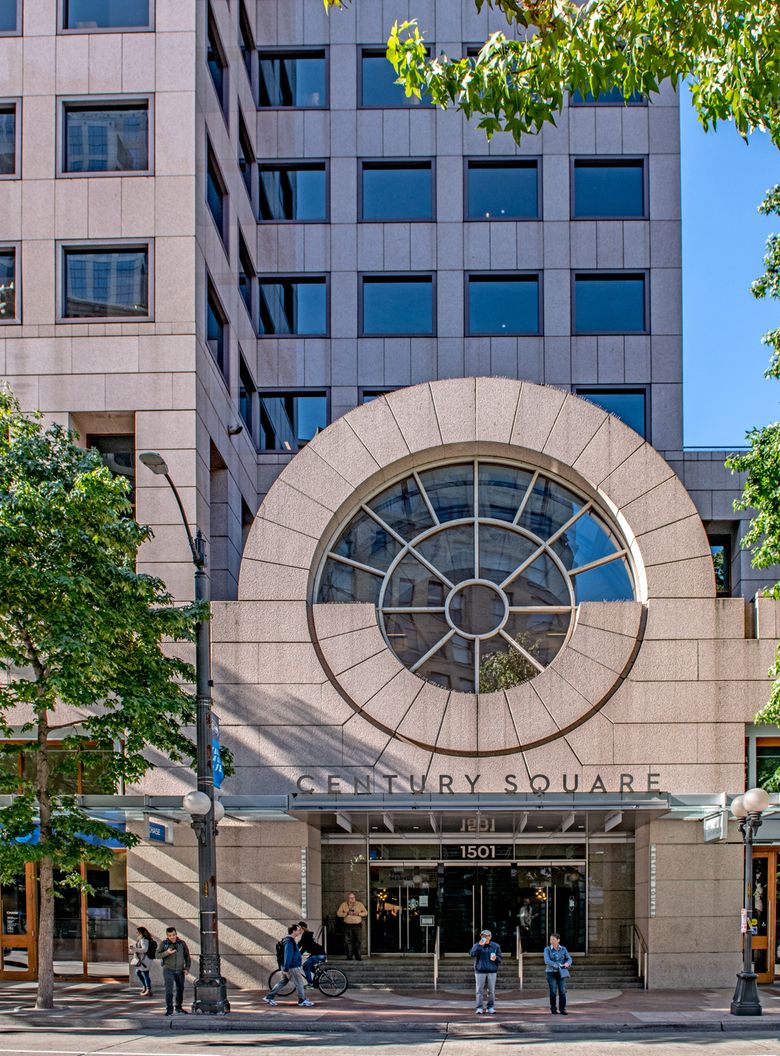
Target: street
[{"x": 466, "y": 1042}]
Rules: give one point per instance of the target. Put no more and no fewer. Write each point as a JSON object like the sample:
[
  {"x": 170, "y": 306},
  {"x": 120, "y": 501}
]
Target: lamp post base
[
  {"x": 746, "y": 1001},
  {"x": 211, "y": 997}
]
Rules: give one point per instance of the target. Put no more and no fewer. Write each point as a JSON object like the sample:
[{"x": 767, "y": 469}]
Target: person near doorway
[
  {"x": 487, "y": 958},
  {"x": 353, "y": 913},
  {"x": 308, "y": 945},
  {"x": 143, "y": 951},
  {"x": 291, "y": 962},
  {"x": 557, "y": 962},
  {"x": 175, "y": 957}
]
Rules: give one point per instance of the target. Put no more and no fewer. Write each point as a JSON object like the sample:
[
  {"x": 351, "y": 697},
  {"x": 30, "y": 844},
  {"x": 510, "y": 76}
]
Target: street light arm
[{"x": 196, "y": 544}]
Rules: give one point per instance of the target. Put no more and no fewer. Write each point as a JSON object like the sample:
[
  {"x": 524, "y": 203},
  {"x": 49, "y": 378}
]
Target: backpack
[
  {"x": 280, "y": 952},
  {"x": 151, "y": 953}
]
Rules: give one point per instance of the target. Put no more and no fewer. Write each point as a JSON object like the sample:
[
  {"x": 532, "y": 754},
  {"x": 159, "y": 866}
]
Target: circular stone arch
[{"x": 538, "y": 426}]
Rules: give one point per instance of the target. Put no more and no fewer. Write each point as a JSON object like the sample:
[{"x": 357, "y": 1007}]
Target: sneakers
[
  {"x": 169, "y": 1011},
  {"x": 479, "y": 1011},
  {"x": 306, "y": 1003},
  {"x": 181, "y": 1012},
  {"x": 270, "y": 1001},
  {"x": 491, "y": 1011},
  {"x": 553, "y": 1011},
  {"x": 564, "y": 1012}
]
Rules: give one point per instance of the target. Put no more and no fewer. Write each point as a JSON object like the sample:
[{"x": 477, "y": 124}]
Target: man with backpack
[
  {"x": 175, "y": 957},
  {"x": 290, "y": 961}
]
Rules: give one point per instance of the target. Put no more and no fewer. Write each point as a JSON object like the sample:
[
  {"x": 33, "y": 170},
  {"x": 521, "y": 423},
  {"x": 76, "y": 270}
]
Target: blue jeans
[
  {"x": 144, "y": 978},
  {"x": 557, "y": 985},
  {"x": 308, "y": 966}
]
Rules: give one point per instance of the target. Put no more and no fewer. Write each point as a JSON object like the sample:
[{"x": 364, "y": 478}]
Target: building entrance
[
  {"x": 765, "y": 892},
  {"x": 551, "y": 898},
  {"x": 403, "y": 908},
  {"x": 477, "y": 897}
]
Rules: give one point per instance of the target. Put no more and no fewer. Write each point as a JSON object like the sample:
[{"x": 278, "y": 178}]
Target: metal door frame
[
  {"x": 758, "y": 942},
  {"x": 396, "y": 863}
]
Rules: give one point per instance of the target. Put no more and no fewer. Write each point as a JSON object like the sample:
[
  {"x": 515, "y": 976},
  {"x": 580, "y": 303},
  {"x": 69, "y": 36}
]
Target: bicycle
[{"x": 331, "y": 982}]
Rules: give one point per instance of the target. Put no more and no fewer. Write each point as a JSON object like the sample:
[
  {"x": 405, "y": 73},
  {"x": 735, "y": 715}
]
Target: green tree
[{"x": 81, "y": 660}]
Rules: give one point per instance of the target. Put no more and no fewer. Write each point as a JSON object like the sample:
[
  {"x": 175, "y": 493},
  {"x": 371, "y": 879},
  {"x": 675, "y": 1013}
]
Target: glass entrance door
[
  {"x": 476, "y": 897},
  {"x": 764, "y": 911},
  {"x": 551, "y": 898},
  {"x": 403, "y": 908},
  {"x": 17, "y": 913}
]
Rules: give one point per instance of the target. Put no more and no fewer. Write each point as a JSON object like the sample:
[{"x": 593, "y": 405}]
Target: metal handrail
[
  {"x": 520, "y": 966},
  {"x": 436, "y": 955},
  {"x": 642, "y": 959}
]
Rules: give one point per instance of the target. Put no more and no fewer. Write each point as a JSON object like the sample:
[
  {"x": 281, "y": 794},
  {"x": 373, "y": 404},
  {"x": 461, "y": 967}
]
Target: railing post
[
  {"x": 519, "y": 948},
  {"x": 436, "y": 959},
  {"x": 645, "y": 970}
]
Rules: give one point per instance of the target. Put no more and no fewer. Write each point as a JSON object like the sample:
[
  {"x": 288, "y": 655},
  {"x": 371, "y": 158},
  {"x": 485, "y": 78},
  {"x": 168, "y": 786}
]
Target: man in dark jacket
[
  {"x": 315, "y": 952},
  {"x": 175, "y": 957},
  {"x": 487, "y": 957},
  {"x": 291, "y": 967}
]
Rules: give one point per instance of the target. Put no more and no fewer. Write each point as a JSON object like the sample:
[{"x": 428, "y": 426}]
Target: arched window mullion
[{"x": 433, "y": 650}]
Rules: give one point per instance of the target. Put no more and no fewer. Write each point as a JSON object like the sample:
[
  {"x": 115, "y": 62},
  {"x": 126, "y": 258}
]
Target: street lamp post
[
  {"x": 747, "y": 810},
  {"x": 210, "y": 988}
]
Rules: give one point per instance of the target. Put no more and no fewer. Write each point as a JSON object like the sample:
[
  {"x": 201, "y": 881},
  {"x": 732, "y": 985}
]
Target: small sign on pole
[{"x": 716, "y": 827}]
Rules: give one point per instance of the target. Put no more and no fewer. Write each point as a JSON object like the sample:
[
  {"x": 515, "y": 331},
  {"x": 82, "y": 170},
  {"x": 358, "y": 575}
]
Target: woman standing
[
  {"x": 557, "y": 962},
  {"x": 143, "y": 954}
]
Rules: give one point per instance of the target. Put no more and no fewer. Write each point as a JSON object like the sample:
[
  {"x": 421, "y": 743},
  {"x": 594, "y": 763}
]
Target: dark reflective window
[
  {"x": 610, "y": 97},
  {"x": 118, "y": 453},
  {"x": 246, "y": 155},
  {"x": 397, "y": 305},
  {"x": 502, "y": 190},
  {"x": 108, "y": 138},
  {"x": 397, "y": 192},
  {"x": 7, "y": 284},
  {"x": 377, "y": 81},
  {"x": 368, "y": 395},
  {"x": 606, "y": 304},
  {"x": 503, "y": 304},
  {"x": 216, "y": 195},
  {"x": 293, "y": 192},
  {"x": 247, "y": 394},
  {"x": 246, "y": 41},
  {"x": 293, "y": 79},
  {"x": 106, "y": 14},
  {"x": 608, "y": 188},
  {"x": 720, "y": 548},
  {"x": 627, "y": 405},
  {"x": 246, "y": 276},
  {"x": 216, "y": 330},
  {"x": 293, "y": 306},
  {"x": 289, "y": 420},
  {"x": 7, "y": 139},
  {"x": 217, "y": 62},
  {"x": 8, "y": 12},
  {"x": 105, "y": 283}
]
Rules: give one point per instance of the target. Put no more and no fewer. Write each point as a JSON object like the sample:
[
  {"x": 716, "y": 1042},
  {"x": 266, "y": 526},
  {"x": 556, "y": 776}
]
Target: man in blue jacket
[
  {"x": 487, "y": 957},
  {"x": 557, "y": 962},
  {"x": 291, "y": 966}
]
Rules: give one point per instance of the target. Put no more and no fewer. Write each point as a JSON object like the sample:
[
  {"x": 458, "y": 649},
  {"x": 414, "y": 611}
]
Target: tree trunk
[{"x": 45, "y": 998}]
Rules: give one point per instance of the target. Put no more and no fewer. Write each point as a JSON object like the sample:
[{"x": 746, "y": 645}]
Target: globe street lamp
[
  {"x": 210, "y": 988},
  {"x": 747, "y": 810}
]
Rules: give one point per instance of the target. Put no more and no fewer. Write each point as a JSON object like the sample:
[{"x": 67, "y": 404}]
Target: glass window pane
[
  {"x": 397, "y": 306},
  {"x": 588, "y": 539},
  {"x": 7, "y": 285},
  {"x": 549, "y": 507},
  {"x": 410, "y": 637},
  {"x": 629, "y": 407},
  {"x": 106, "y": 283},
  {"x": 215, "y": 195},
  {"x": 288, "y": 421},
  {"x": 367, "y": 542},
  {"x": 292, "y": 306},
  {"x": 289, "y": 193},
  {"x": 768, "y": 767},
  {"x": 501, "y": 490},
  {"x": 501, "y": 666},
  {"x": 118, "y": 453},
  {"x": 403, "y": 509},
  {"x": 106, "y": 14},
  {"x": 13, "y": 897},
  {"x": 540, "y": 633},
  {"x": 68, "y": 955},
  {"x": 107, "y": 917},
  {"x": 397, "y": 192},
  {"x": 8, "y": 16},
  {"x": 293, "y": 80},
  {"x": 542, "y": 583},
  {"x": 502, "y": 192},
  {"x": 215, "y": 61},
  {"x": 609, "y": 97},
  {"x": 501, "y": 552},
  {"x": 611, "y": 582},
  {"x": 503, "y": 305},
  {"x": 343, "y": 584},
  {"x": 450, "y": 490},
  {"x": 215, "y": 331},
  {"x": 451, "y": 552},
  {"x": 452, "y": 666},
  {"x": 609, "y": 190},
  {"x": 609, "y": 304},
  {"x": 7, "y": 140},
  {"x": 378, "y": 79},
  {"x": 413, "y": 585},
  {"x": 112, "y": 139}
]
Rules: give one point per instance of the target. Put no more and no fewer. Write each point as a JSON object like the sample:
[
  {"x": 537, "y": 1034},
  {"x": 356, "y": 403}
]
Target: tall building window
[
  {"x": 629, "y": 405},
  {"x": 246, "y": 157},
  {"x": 396, "y": 190},
  {"x": 85, "y": 15},
  {"x": 9, "y": 16},
  {"x": 217, "y": 331},
  {"x": 105, "y": 282},
  {"x": 609, "y": 97},
  {"x": 608, "y": 188},
  {"x": 293, "y": 191},
  {"x": 609, "y": 304},
  {"x": 293, "y": 79},
  {"x": 7, "y": 285},
  {"x": 397, "y": 305},
  {"x": 377, "y": 82},
  {"x": 296, "y": 304},
  {"x": 8, "y": 143},
  {"x": 502, "y": 189},
  {"x": 720, "y": 548},
  {"x": 247, "y": 396},
  {"x": 369, "y": 395},
  {"x": 118, "y": 453},
  {"x": 217, "y": 62},
  {"x": 502, "y": 305},
  {"x": 246, "y": 40},
  {"x": 216, "y": 195},
  {"x": 246, "y": 276},
  {"x": 105, "y": 137},
  {"x": 288, "y": 420}
]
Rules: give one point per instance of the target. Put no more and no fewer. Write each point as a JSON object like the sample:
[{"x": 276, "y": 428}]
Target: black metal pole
[{"x": 746, "y": 1000}]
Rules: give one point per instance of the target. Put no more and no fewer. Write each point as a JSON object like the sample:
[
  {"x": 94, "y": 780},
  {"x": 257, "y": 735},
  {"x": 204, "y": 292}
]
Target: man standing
[
  {"x": 557, "y": 962},
  {"x": 353, "y": 913},
  {"x": 487, "y": 957},
  {"x": 175, "y": 957},
  {"x": 291, "y": 966}
]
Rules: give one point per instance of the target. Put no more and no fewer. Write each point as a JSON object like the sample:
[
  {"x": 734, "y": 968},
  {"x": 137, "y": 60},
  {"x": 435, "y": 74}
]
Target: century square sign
[{"x": 393, "y": 784}]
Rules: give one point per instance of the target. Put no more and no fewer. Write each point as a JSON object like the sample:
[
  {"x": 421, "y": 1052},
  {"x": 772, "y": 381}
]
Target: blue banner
[{"x": 217, "y": 768}]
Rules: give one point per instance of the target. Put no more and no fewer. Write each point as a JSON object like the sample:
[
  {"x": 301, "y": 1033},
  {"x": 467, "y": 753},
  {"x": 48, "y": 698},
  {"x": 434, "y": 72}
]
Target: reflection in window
[
  {"x": 216, "y": 330},
  {"x": 8, "y": 16},
  {"x": 118, "y": 453},
  {"x": 609, "y": 188},
  {"x": 246, "y": 276},
  {"x": 7, "y": 285},
  {"x": 216, "y": 194},
  {"x": 397, "y": 192},
  {"x": 288, "y": 420},
  {"x": 503, "y": 304},
  {"x": 7, "y": 139},
  {"x": 246, "y": 156},
  {"x": 293, "y": 192},
  {"x": 502, "y": 190},
  {"x": 106, "y": 138},
  {"x": 217, "y": 62},
  {"x": 629, "y": 405},
  {"x": 247, "y": 396},
  {"x": 246, "y": 41},
  {"x": 476, "y": 603},
  {"x": 720, "y": 548},
  {"x": 293, "y": 79},
  {"x": 609, "y": 304},
  {"x": 397, "y": 304},
  {"x": 369, "y": 395},
  {"x": 377, "y": 79},
  {"x": 106, "y": 14},
  {"x": 768, "y": 764},
  {"x": 609, "y": 97},
  {"x": 105, "y": 283},
  {"x": 293, "y": 306}
]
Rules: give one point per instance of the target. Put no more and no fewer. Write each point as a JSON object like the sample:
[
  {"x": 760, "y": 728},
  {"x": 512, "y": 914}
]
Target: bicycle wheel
[
  {"x": 277, "y": 977},
  {"x": 332, "y": 982}
]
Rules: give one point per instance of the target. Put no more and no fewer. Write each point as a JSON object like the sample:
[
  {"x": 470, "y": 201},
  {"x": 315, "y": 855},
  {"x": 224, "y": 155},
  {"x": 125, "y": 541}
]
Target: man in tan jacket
[{"x": 353, "y": 913}]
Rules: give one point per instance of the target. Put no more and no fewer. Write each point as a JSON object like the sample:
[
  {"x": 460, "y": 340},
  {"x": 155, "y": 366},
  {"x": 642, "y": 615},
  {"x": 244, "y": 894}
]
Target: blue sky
[{"x": 723, "y": 181}]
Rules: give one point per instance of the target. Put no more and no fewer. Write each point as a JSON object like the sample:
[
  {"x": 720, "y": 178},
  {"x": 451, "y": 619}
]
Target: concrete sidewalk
[{"x": 115, "y": 1006}]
